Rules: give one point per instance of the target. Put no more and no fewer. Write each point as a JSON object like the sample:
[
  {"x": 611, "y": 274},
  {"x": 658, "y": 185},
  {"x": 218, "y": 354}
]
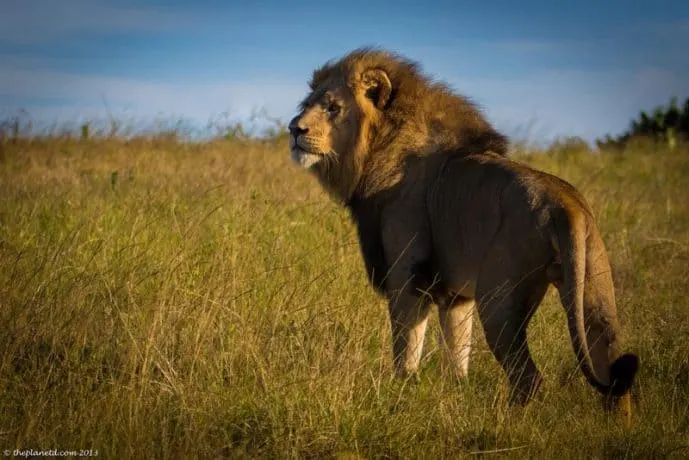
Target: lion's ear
[{"x": 376, "y": 84}]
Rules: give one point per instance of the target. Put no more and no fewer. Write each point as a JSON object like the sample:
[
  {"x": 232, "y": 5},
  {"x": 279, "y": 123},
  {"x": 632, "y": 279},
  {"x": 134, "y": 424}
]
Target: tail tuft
[{"x": 622, "y": 373}]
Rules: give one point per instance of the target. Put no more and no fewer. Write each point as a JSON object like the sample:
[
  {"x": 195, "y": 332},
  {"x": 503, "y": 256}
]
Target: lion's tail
[{"x": 587, "y": 294}]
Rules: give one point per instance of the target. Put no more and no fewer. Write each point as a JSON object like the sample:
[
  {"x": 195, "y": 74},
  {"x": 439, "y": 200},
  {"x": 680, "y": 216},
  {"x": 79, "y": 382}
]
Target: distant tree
[
  {"x": 684, "y": 118},
  {"x": 666, "y": 124},
  {"x": 673, "y": 114}
]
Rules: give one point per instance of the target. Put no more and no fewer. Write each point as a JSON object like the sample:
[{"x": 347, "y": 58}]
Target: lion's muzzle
[{"x": 302, "y": 146}]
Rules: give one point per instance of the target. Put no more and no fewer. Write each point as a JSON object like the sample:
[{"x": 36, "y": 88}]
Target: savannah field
[{"x": 168, "y": 299}]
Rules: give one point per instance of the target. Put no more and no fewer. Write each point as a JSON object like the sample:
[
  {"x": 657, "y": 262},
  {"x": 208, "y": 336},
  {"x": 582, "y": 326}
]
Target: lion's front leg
[
  {"x": 456, "y": 321},
  {"x": 408, "y": 318}
]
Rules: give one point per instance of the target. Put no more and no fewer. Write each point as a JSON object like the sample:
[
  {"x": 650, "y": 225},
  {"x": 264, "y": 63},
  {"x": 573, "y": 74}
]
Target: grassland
[{"x": 161, "y": 299}]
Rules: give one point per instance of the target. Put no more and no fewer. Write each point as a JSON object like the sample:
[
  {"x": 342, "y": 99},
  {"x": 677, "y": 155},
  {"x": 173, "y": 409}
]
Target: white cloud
[
  {"x": 43, "y": 21},
  {"x": 648, "y": 78},
  {"x": 570, "y": 102},
  {"x": 672, "y": 28},
  {"x": 197, "y": 100},
  {"x": 531, "y": 46}
]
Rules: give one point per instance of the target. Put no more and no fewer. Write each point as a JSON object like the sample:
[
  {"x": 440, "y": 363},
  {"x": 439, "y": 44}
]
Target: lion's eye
[{"x": 333, "y": 109}]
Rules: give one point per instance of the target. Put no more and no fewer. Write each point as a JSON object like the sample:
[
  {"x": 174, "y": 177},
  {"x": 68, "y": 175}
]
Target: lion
[{"x": 444, "y": 217}]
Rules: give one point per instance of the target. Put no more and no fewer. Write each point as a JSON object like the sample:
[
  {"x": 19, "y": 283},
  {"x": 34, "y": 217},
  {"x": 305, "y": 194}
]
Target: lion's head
[
  {"x": 371, "y": 109},
  {"x": 333, "y": 114}
]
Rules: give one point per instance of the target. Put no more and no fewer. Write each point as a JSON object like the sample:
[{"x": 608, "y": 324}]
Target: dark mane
[
  {"x": 419, "y": 118},
  {"x": 451, "y": 120}
]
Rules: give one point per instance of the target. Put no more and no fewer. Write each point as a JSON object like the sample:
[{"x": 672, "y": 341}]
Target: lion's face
[
  {"x": 326, "y": 128},
  {"x": 333, "y": 124}
]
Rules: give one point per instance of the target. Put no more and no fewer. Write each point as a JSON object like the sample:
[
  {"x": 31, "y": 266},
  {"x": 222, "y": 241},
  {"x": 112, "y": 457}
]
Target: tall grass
[{"x": 176, "y": 300}]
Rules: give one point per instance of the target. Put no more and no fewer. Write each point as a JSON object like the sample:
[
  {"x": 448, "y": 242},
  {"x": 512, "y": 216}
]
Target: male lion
[{"x": 443, "y": 217}]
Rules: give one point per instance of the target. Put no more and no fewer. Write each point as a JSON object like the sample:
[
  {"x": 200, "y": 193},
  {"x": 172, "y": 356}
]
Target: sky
[{"x": 538, "y": 69}]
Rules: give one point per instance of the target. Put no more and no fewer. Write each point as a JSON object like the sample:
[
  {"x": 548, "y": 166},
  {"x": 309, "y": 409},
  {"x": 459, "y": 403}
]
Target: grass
[{"x": 161, "y": 299}]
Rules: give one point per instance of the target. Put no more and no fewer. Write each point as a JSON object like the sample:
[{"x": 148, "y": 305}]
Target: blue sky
[{"x": 539, "y": 69}]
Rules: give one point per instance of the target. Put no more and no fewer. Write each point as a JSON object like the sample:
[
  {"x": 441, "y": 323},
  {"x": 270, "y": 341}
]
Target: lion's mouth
[
  {"x": 305, "y": 159},
  {"x": 302, "y": 156}
]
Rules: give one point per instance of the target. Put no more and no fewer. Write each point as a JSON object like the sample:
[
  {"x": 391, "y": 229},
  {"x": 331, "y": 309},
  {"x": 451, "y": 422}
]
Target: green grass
[{"x": 171, "y": 300}]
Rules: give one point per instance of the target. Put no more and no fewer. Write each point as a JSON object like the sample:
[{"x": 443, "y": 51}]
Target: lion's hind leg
[
  {"x": 506, "y": 337},
  {"x": 456, "y": 320},
  {"x": 505, "y": 319}
]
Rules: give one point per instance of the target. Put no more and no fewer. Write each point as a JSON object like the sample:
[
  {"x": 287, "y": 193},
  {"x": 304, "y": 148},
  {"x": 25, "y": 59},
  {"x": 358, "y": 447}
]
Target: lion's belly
[
  {"x": 459, "y": 267},
  {"x": 460, "y": 242}
]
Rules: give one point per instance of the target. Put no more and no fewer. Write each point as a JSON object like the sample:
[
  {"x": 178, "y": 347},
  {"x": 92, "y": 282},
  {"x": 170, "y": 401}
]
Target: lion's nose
[{"x": 295, "y": 127}]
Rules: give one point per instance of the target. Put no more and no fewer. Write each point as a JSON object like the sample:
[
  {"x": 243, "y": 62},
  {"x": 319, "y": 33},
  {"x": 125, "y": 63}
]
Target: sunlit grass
[{"x": 165, "y": 299}]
